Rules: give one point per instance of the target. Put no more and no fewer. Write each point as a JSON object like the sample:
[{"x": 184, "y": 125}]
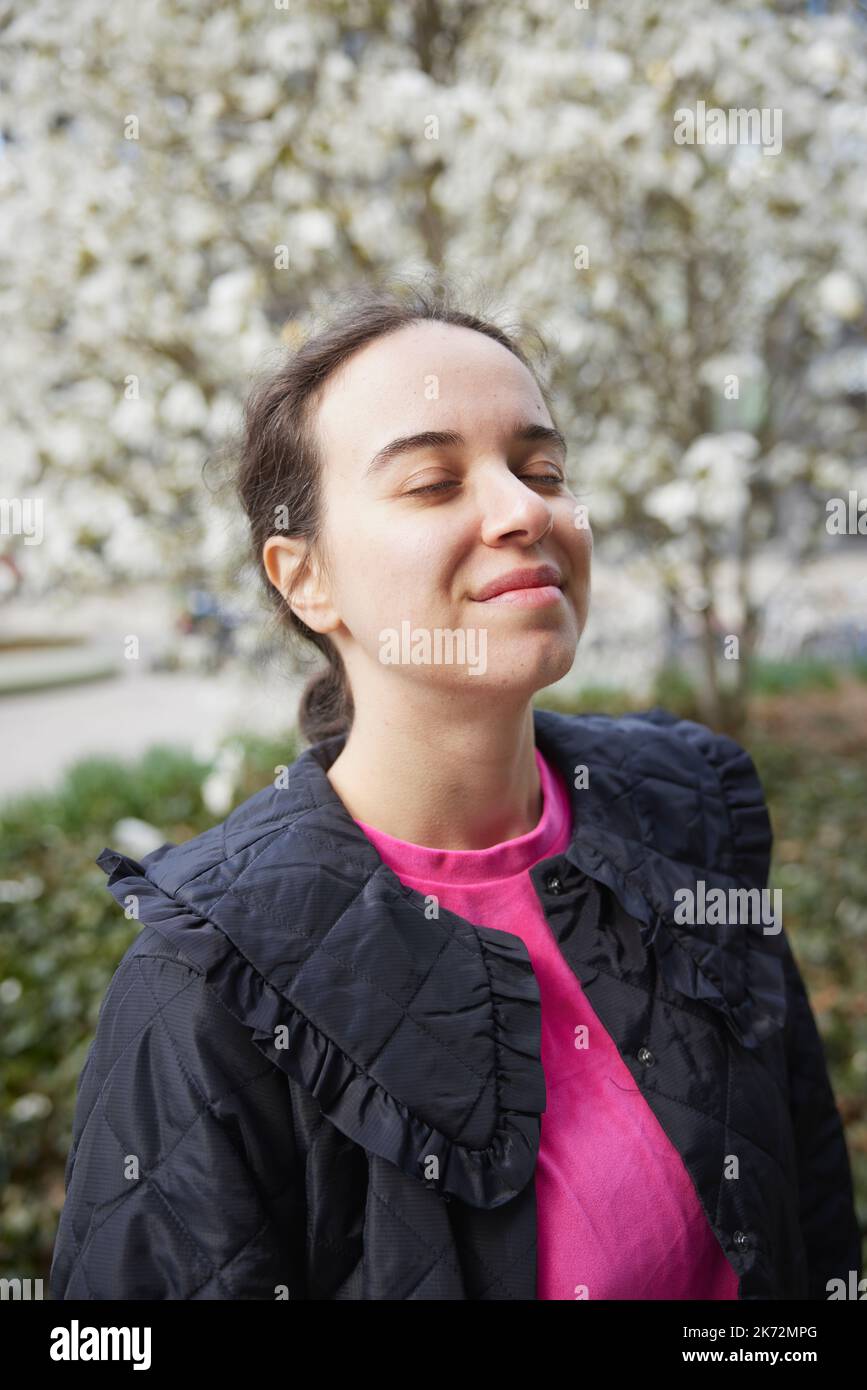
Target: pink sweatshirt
[{"x": 617, "y": 1212}]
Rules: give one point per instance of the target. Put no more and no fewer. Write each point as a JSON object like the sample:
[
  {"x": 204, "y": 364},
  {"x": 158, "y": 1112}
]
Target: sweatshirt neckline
[{"x": 476, "y": 866}]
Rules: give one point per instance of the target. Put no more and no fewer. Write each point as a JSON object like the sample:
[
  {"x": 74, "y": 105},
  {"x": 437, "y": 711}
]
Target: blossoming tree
[{"x": 180, "y": 186}]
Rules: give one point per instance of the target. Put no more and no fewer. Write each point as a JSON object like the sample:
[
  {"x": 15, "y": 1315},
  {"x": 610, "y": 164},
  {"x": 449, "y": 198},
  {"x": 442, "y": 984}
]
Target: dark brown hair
[{"x": 280, "y": 468}]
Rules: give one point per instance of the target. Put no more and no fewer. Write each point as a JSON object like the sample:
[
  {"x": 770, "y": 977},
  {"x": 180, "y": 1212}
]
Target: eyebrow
[{"x": 526, "y": 431}]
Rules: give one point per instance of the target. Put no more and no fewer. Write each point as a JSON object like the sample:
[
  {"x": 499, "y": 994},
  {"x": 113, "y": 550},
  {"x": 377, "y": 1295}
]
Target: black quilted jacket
[{"x": 302, "y": 1086}]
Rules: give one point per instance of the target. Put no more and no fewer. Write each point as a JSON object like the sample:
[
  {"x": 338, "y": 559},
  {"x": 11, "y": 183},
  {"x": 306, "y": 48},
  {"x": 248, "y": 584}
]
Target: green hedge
[{"x": 59, "y": 949}]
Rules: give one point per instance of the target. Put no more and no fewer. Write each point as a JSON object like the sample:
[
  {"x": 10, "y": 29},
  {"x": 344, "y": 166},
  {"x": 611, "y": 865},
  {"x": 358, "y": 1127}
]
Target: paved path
[{"x": 46, "y": 731}]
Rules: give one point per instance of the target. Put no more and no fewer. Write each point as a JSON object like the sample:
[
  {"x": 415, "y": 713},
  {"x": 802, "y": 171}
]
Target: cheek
[
  {"x": 404, "y": 568},
  {"x": 587, "y": 548},
  {"x": 409, "y": 561},
  {"x": 578, "y": 542},
  {"x": 386, "y": 575}
]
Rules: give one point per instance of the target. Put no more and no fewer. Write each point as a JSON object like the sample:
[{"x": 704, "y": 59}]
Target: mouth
[{"x": 524, "y": 588}]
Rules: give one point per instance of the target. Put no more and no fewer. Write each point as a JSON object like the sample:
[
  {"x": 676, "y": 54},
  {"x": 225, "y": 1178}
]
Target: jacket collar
[{"x": 420, "y": 1036}]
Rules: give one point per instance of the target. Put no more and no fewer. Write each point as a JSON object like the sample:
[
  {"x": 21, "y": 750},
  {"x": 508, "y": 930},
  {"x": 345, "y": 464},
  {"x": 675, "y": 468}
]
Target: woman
[{"x": 427, "y": 1018}]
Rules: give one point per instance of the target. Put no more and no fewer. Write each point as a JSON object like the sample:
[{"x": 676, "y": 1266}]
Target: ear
[{"x": 286, "y": 560}]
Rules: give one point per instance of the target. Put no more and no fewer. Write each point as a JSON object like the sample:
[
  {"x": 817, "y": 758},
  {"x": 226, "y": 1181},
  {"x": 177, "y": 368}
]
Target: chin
[
  {"x": 557, "y": 665},
  {"x": 537, "y": 665}
]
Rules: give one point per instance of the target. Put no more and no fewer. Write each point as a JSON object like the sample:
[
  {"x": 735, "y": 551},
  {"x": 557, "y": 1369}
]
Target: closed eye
[{"x": 547, "y": 479}]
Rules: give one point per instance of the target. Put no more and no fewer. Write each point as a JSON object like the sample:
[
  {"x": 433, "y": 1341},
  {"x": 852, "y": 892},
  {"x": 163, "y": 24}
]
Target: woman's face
[{"x": 414, "y": 534}]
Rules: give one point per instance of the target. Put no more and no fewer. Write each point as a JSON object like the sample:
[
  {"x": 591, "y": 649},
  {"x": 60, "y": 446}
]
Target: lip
[
  {"x": 538, "y": 596},
  {"x": 519, "y": 582}
]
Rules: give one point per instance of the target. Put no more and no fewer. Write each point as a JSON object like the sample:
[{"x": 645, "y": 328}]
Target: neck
[{"x": 461, "y": 782}]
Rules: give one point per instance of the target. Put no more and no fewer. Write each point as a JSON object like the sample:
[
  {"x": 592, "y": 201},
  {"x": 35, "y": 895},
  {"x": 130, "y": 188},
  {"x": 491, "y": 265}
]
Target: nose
[{"x": 512, "y": 511}]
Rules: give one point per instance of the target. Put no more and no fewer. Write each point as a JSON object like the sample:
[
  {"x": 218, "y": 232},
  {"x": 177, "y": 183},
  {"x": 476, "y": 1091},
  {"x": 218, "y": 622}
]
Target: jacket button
[
  {"x": 741, "y": 1239},
  {"x": 646, "y": 1057},
  {"x": 553, "y": 883}
]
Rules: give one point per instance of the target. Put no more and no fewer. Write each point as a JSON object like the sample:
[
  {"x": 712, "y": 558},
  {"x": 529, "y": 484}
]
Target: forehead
[{"x": 426, "y": 376}]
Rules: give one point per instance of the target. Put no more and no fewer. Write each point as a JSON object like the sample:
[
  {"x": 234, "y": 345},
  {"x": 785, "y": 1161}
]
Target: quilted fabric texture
[{"x": 302, "y": 1086}]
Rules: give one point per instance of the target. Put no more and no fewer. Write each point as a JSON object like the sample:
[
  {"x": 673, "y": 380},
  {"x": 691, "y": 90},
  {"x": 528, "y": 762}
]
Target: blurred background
[{"x": 183, "y": 190}]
